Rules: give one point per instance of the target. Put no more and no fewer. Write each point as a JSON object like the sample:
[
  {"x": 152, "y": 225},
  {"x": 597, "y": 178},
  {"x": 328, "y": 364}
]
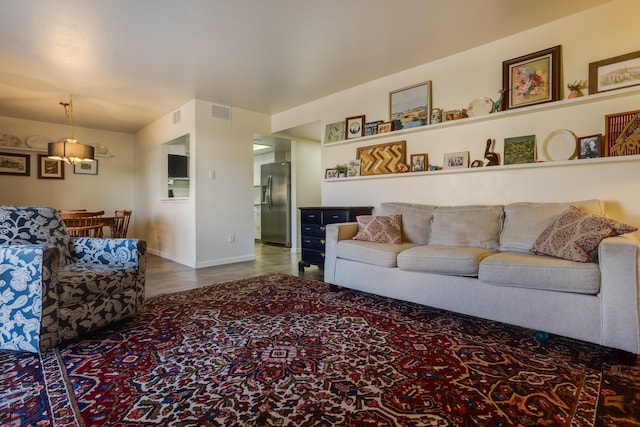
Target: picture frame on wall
[
  {"x": 50, "y": 168},
  {"x": 519, "y": 149},
  {"x": 384, "y": 127},
  {"x": 590, "y": 147},
  {"x": 532, "y": 79},
  {"x": 353, "y": 167},
  {"x": 371, "y": 128},
  {"x": 419, "y": 162},
  {"x": 15, "y": 164},
  {"x": 334, "y": 132},
  {"x": 410, "y": 106},
  {"x": 456, "y": 160},
  {"x": 613, "y": 73},
  {"x": 622, "y": 134},
  {"x": 381, "y": 158},
  {"x": 330, "y": 173},
  {"x": 86, "y": 168},
  {"x": 354, "y": 126}
]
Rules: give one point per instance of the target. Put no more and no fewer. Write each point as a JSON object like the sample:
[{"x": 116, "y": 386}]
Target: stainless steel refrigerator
[{"x": 275, "y": 206}]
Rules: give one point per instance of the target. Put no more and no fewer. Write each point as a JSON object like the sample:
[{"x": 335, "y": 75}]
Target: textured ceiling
[{"x": 128, "y": 62}]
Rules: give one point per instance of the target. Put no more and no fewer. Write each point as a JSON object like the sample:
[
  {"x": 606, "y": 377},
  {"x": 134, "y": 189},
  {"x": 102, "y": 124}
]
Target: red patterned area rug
[{"x": 279, "y": 350}]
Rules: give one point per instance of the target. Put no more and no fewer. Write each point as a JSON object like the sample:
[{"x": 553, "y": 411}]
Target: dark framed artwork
[
  {"x": 354, "y": 126},
  {"x": 50, "y": 168},
  {"x": 532, "y": 79},
  {"x": 590, "y": 146},
  {"x": 381, "y": 158},
  {"x": 419, "y": 162},
  {"x": 371, "y": 128},
  {"x": 15, "y": 164},
  {"x": 614, "y": 73},
  {"x": 622, "y": 134},
  {"x": 520, "y": 149},
  {"x": 86, "y": 168},
  {"x": 410, "y": 106}
]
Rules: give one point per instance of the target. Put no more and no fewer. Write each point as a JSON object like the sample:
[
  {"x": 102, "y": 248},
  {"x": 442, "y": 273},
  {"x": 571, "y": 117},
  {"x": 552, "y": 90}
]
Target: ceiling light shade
[{"x": 69, "y": 150}]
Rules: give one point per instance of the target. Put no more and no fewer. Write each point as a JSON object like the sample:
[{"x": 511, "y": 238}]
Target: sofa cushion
[
  {"x": 523, "y": 222},
  {"x": 575, "y": 235},
  {"x": 382, "y": 254},
  {"x": 526, "y": 270},
  {"x": 381, "y": 229},
  {"x": 452, "y": 260},
  {"x": 416, "y": 220},
  {"x": 472, "y": 226}
]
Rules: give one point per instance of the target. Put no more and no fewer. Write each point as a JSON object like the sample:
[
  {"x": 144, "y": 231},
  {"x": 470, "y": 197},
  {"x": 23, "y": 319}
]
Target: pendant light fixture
[{"x": 69, "y": 150}]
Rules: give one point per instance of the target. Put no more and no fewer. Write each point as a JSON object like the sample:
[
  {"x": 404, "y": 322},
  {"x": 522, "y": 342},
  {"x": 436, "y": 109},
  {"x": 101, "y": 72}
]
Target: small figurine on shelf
[
  {"x": 497, "y": 105},
  {"x": 493, "y": 158},
  {"x": 576, "y": 88}
]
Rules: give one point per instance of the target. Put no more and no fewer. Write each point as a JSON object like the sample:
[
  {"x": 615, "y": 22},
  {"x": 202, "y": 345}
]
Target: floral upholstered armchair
[{"x": 54, "y": 287}]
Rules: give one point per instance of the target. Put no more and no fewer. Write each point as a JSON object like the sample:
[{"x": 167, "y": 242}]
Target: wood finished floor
[{"x": 165, "y": 276}]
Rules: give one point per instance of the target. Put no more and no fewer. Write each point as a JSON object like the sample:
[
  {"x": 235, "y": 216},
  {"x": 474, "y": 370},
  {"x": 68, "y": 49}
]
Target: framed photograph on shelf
[
  {"x": 330, "y": 173},
  {"x": 410, "y": 106},
  {"x": 456, "y": 160},
  {"x": 520, "y": 149},
  {"x": 622, "y": 134},
  {"x": 419, "y": 162},
  {"x": 50, "y": 168},
  {"x": 384, "y": 127},
  {"x": 15, "y": 164},
  {"x": 532, "y": 79},
  {"x": 371, "y": 128},
  {"x": 590, "y": 146},
  {"x": 354, "y": 126},
  {"x": 334, "y": 132},
  {"x": 614, "y": 73},
  {"x": 353, "y": 167},
  {"x": 86, "y": 168}
]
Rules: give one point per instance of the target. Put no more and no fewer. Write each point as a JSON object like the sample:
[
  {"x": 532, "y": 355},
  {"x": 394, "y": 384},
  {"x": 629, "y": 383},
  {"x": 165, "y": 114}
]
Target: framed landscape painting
[
  {"x": 614, "y": 73},
  {"x": 15, "y": 164},
  {"x": 520, "y": 149},
  {"x": 410, "y": 106}
]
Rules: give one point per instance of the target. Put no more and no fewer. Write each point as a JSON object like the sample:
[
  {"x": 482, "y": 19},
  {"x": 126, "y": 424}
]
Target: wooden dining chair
[
  {"x": 84, "y": 223},
  {"x": 120, "y": 223}
]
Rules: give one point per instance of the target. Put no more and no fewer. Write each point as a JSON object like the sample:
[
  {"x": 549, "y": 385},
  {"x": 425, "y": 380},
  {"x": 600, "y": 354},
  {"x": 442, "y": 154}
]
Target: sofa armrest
[
  {"x": 29, "y": 303},
  {"x": 620, "y": 289},
  {"x": 335, "y": 233},
  {"x": 116, "y": 252}
]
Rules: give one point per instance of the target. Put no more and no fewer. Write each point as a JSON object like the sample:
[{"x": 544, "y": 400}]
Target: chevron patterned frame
[{"x": 381, "y": 158}]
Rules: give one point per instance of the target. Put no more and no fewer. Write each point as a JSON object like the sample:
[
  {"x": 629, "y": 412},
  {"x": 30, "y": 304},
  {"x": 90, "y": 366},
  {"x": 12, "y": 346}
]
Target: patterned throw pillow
[
  {"x": 381, "y": 229},
  {"x": 575, "y": 235}
]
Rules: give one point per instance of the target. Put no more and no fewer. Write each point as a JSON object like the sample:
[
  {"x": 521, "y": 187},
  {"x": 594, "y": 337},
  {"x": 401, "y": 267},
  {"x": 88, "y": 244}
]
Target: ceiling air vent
[
  {"x": 222, "y": 112},
  {"x": 176, "y": 117}
]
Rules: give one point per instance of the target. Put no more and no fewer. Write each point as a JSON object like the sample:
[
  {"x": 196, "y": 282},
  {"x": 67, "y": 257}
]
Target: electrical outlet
[{"x": 231, "y": 237}]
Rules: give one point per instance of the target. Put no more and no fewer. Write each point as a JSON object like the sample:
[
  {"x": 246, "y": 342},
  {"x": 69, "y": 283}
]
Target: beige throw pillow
[
  {"x": 575, "y": 235},
  {"x": 381, "y": 229}
]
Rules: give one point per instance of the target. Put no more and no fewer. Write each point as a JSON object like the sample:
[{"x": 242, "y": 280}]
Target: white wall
[
  {"x": 593, "y": 35},
  {"x": 306, "y": 188},
  {"x": 111, "y": 189}
]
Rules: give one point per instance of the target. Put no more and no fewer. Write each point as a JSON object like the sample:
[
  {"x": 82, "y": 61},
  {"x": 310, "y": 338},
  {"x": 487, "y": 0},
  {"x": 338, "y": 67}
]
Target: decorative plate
[
  {"x": 99, "y": 149},
  {"x": 38, "y": 142},
  {"x": 560, "y": 144},
  {"x": 7, "y": 140},
  {"x": 480, "y": 107}
]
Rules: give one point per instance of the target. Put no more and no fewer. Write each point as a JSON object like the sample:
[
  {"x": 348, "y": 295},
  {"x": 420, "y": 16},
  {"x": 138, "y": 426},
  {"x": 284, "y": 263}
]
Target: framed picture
[
  {"x": 456, "y": 160},
  {"x": 622, "y": 134},
  {"x": 520, "y": 149},
  {"x": 86, "y": 168},
  {"x": 15, "y": 164},
  {"x": 532, "y": 79},
  {"x": 614, "y": 73},
  {"x": 449, "y": 115},
  {"x": 330, "y": 173},
  {"x": 410, "y": 106},
  {"x": 419, "y": 162},
  {"x": 50, "y": 168},
  {"x": 590, "y": 146},
  {"x": 353, "y": 167},
  {"x": 384, "y": 127},
  {"x": 334, "y": 132},
  {"x": 381, "y": 158},
  {"x": 354, "y": 126},
  {"x": 371, "y": 128}
]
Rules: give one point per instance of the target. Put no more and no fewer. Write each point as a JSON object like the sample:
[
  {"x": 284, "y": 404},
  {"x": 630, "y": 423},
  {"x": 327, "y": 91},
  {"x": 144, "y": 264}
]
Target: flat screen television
[{"x": 178, "y": 166}]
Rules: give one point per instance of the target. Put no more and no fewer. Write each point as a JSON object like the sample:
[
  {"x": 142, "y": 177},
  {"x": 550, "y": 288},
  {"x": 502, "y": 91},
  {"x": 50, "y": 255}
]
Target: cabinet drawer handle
[
  {"x": 323, "y": 228},
  {"x": 322, "y": 241},
  {"x": 311, "y": 216},
  {"x": 307, "y": 229},
  {"x": 322, "y": 255},
  {"x": 335, "y": 216},
  {"x": 307, "y": 241}
]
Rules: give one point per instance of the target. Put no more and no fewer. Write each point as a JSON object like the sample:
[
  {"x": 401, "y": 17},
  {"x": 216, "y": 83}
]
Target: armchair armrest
[
  {"x": 619, "y": 260},
  {"x": 91, "y": 250},
  {"x": 333, "y": 234},
  {"x": 28, "y": 297}
]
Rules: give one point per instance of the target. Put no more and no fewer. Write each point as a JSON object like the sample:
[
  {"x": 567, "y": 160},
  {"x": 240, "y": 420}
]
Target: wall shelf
[
  {"x": 549, "y": 106},
  {"x": 22, "y": 149}
]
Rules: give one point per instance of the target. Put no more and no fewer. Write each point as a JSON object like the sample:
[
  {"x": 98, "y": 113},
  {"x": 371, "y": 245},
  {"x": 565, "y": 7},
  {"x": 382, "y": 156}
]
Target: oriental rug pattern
[{"x": 278, "y": 350}]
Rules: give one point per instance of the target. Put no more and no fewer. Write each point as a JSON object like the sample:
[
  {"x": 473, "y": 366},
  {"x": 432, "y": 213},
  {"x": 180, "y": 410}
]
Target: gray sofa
[{"x": 475, "y": 260}]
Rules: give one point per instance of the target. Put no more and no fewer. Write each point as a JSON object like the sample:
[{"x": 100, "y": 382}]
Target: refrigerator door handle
[{"x": 269, "y": 184}]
